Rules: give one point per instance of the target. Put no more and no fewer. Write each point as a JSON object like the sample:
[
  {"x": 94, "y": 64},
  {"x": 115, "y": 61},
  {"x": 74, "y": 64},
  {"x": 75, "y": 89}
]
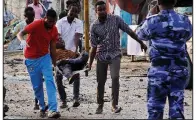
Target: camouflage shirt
[{"x": 167, "y": 32}]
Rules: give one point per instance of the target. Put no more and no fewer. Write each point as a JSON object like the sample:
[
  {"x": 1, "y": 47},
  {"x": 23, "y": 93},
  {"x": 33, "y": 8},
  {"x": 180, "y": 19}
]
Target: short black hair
[
  {"x": 100, "y": 3},
  {"x": 51, "y": 13},
  {"x": 167, "y": 2},
  {"x": 27, "y": 9},
  {"x": 76, "y": 3}
]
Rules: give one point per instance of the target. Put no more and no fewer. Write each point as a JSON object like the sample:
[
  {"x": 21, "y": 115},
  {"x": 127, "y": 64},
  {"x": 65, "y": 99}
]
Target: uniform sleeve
[
  {"x": 141, "y": 31},
  {"x": 93, "y": 37},
  {"x": 122, "y": 25},
  {"x": 79, "y": 28},
  {"x": 32, "y": 27}
]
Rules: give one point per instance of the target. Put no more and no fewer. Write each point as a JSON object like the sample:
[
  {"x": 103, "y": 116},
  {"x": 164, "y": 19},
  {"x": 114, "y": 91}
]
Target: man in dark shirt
[{"x": 105, "y": 45}]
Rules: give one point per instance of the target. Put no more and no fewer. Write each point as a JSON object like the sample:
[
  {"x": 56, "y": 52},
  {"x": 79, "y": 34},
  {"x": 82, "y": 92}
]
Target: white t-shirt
[{"x": 67, "y": 31}]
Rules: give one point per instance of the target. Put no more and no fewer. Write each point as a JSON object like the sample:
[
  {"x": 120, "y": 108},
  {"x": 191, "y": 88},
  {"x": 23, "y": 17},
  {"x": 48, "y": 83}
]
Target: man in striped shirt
[{"x": 105, "y": 45}]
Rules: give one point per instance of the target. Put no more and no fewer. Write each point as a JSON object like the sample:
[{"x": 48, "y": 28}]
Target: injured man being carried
[{"x": 70, "y": 63}]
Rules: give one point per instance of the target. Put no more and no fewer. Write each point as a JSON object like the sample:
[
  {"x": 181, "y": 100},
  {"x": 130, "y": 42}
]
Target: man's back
[{"x": 168, "y": 32}]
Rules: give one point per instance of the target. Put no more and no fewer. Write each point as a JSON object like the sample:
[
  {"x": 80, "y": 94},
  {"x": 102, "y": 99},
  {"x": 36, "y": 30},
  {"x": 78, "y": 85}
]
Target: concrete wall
[{"x": 16, "y": 7}]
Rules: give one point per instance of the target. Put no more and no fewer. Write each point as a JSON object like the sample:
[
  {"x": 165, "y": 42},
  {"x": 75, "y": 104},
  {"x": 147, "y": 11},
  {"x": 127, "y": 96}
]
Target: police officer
[{"x": 168, "y": 33}]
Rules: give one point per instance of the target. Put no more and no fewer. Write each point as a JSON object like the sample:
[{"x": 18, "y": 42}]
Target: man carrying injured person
[
  {"x": 40, "y": 54},
  {"x": 168, "y": 33},
  {"x": 70, "y": 30}
]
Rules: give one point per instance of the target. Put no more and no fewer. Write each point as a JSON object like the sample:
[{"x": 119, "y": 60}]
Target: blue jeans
[{"x": 37, "y": 69}]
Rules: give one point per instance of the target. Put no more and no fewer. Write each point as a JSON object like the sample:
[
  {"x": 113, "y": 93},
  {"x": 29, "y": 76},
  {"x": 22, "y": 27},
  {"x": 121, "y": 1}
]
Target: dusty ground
[{"x": 132, "y": 99}]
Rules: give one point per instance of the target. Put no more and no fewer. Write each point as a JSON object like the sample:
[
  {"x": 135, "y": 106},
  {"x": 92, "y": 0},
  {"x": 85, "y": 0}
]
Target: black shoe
[
  {"x": 116, "y": 109},
  {"x": 76, "y": 103},
  {"x": 99, "y": 109},
  {"x": 52, "y": 114},
  {"x": 36, "y": 107},
  {"x": 5, "y": 108},
  {"x": 46, "y": 108},
  {"x": 63, "y": 105},
  {"x": 43, "y": 112},
  {"x": 72, "y": 78}
]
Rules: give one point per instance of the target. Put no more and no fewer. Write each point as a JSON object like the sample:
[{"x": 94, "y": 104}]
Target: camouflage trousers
[{"x": 166, "y": 81}]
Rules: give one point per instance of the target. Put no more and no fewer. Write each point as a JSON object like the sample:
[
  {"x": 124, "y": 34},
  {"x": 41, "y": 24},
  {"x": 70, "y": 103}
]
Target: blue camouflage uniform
[{"x": 167, "y": 32}]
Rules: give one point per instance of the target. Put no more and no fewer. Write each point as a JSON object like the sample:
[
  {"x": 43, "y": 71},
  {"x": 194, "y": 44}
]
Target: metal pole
[{"x": 86, "y": 24}]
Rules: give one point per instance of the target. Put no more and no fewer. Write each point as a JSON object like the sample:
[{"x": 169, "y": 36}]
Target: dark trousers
[
  {"x": 61, "y": 89},
  {"x": 102, "y": 68}
]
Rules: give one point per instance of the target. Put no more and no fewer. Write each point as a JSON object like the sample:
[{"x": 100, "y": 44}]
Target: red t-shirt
[{"x": 39, "y": 39}]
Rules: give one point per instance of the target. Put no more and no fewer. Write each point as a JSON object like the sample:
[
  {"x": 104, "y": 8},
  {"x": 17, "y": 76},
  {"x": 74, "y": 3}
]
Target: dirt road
[{"x": 132, "y": 99}]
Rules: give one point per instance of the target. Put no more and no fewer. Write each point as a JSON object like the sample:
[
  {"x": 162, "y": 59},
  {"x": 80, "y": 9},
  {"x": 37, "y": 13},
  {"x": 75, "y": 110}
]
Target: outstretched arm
[{"x": 123, "y": 26}]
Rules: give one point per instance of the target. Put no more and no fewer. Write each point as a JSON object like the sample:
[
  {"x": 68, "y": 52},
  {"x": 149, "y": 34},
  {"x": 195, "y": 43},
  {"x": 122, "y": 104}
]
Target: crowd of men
[{"x": 166, "y": 30}]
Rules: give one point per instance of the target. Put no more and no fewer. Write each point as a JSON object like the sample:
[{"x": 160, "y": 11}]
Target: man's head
[
  {"x": 100, "y": 9},
  {"x": 72, "y": 13},
  {"x": 50, "y": 19},
  {"x": 35, "y": 2},
  {"x": 167, "y": 3},
  {"x": 29, "y": 14},
  {"x": 70, "y": 3}
]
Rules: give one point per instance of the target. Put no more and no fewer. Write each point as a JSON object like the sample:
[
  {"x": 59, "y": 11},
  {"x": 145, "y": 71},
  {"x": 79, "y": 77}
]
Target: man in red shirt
[{"x": 39, "y": 48}]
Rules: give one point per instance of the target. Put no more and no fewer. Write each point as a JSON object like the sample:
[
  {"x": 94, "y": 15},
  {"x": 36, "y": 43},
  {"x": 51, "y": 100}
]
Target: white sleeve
[
  {"x": 58, "y": 26},
  {"x": 79, "y": 27}
]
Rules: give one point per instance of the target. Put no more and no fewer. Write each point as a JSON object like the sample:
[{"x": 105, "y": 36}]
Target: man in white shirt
[
  {"x": 70, "y": 30},
  {"x": 37, "y": 8}
]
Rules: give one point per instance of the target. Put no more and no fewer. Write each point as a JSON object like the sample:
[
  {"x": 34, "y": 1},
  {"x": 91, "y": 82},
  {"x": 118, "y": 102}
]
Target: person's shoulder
[
  {"x": 30, "y": 5},
  {"x": 112, "y": 16},
  {"x": 183, "y": 16},
  {"x": 40, "y": 5},
  {"x": 152, "y": 17},
  {"x": 78, "y": 21},
  {"x": 62, "y": 19},
  {"x": 37, "y": 22},
  {"x": 94, "y": 24}
]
